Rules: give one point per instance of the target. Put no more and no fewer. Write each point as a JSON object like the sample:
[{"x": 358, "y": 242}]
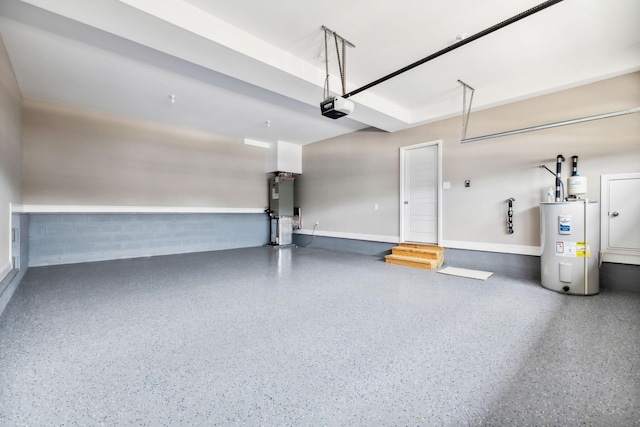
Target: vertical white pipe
[{"x": 586, "y": 251}]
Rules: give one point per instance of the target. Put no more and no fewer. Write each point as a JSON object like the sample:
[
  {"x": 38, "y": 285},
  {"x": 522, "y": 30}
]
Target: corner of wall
[{"x": 11, "y": 171}]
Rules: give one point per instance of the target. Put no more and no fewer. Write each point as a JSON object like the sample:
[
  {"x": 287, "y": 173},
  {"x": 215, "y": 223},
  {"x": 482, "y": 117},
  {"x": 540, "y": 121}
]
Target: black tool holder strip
[{"x": 510, "y": 215}]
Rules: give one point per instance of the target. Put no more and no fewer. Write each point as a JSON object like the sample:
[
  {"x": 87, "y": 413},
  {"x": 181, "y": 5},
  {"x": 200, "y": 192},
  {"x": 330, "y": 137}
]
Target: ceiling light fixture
[{"x": 256, "y": 143}]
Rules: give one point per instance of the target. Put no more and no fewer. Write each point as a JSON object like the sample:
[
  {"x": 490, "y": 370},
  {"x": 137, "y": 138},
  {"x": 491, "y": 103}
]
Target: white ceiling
[{"x": 233, "y": 65}]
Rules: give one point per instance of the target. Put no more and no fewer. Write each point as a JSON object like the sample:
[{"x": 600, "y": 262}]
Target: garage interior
[{"x": 186, "y": 239}]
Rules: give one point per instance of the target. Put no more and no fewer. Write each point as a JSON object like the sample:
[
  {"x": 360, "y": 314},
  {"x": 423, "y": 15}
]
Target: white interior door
[
  {"x": 620, "y": 218},
  {"x": 624, "y": 214},
  {"x": 419, "y": 210}
]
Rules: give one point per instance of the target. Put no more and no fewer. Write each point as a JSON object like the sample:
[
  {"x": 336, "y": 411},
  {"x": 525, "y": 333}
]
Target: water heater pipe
[
  {"x": 552, "y": 173},
  {"x": 586, "y": 250},
  {"x": 559, "y": 161},
  {"x": 574, "y": 159}
]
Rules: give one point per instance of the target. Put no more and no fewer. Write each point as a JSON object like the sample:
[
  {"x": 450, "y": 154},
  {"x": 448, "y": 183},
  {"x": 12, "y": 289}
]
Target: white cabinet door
[
  {"x": 621, "y": 218},
  {"x": 624, "y": 213}
]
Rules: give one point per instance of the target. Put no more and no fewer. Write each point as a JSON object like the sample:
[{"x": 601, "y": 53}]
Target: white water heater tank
[{"x": 570, "y": 239}]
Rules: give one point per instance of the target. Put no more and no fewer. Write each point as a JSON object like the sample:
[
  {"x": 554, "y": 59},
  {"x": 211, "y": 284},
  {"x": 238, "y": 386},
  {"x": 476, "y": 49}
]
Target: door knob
[
  {"x": 406, "y": 202},
  {"x": 614, "y": 214}
]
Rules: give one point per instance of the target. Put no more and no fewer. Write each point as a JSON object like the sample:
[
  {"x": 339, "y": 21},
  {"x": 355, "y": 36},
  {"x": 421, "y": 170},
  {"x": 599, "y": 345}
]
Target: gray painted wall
[
  {"x": 510, "y": 265},
  {"x": 619, "y": 277},
  {"x": 79, "y": 157},
  {"x": 345, "y": 176},
  {"x": 73, "y": 238},
  {"x": 363, "y": 247},
  {"x": 342, "y": 179},
  {"x": 622, "y": 277},
  {"x": 10, "y": 154}
]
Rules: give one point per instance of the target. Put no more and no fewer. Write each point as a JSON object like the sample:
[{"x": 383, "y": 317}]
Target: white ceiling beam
[{"x": 212, "y": 43}]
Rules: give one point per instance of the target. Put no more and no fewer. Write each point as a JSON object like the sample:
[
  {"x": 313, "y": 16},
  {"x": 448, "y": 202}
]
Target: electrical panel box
[{"x": 281, "y": 196}]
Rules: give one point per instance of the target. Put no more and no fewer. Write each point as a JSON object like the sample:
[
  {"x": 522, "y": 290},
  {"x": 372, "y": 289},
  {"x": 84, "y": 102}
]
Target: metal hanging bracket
[
  {"x": 337, "y": 36},
  {"x": 552, "y": 125},
  {"x": 342, "y": 58},
  {"x": 466, "y": 111}
]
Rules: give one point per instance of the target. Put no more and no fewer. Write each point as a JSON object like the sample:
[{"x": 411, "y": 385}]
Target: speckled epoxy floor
[{"x": 304, "y": 336}]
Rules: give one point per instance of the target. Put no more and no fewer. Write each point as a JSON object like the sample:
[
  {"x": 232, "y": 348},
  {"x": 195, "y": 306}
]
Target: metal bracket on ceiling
[
  {"x": 342, "y": 59},
  {"x": 466, "y": 111},
  {"x": 333, "y": 33}
]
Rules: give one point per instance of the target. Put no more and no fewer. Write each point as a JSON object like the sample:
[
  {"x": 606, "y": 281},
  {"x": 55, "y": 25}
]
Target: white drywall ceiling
[{"x": 234, "y": 65}]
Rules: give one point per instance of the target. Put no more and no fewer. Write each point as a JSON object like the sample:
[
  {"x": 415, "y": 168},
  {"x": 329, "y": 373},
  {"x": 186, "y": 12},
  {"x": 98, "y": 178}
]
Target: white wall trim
[
  {"x": 5, "y": 269},
  {"x": 621, "y": 258},
  {"x": 353, "y": 236},
  {"x": 493, "y": 247},
  {"x": 127, "y": 209}
]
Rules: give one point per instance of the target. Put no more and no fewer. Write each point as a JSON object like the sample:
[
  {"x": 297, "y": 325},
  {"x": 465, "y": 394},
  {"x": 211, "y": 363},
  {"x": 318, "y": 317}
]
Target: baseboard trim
[
  {"x": 493, "y": 247},
  {"x": 127, "y": 209},
  {"x": 620, "y": 258}
]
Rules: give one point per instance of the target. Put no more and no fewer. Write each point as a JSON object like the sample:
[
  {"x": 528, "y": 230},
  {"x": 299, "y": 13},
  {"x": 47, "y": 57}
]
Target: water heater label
[
  {"x": 573, "y": 249},
  {"x": 583, "y": 250},
  {"x": 569, "y": 249},
  {"x": 564, "y": 224}
]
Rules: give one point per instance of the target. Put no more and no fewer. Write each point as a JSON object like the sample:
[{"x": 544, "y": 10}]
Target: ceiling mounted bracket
[
  {"x": 342, "y": 58},
  {"x": 466, "y": 111},
  {"x": 333, "y": 33}
]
